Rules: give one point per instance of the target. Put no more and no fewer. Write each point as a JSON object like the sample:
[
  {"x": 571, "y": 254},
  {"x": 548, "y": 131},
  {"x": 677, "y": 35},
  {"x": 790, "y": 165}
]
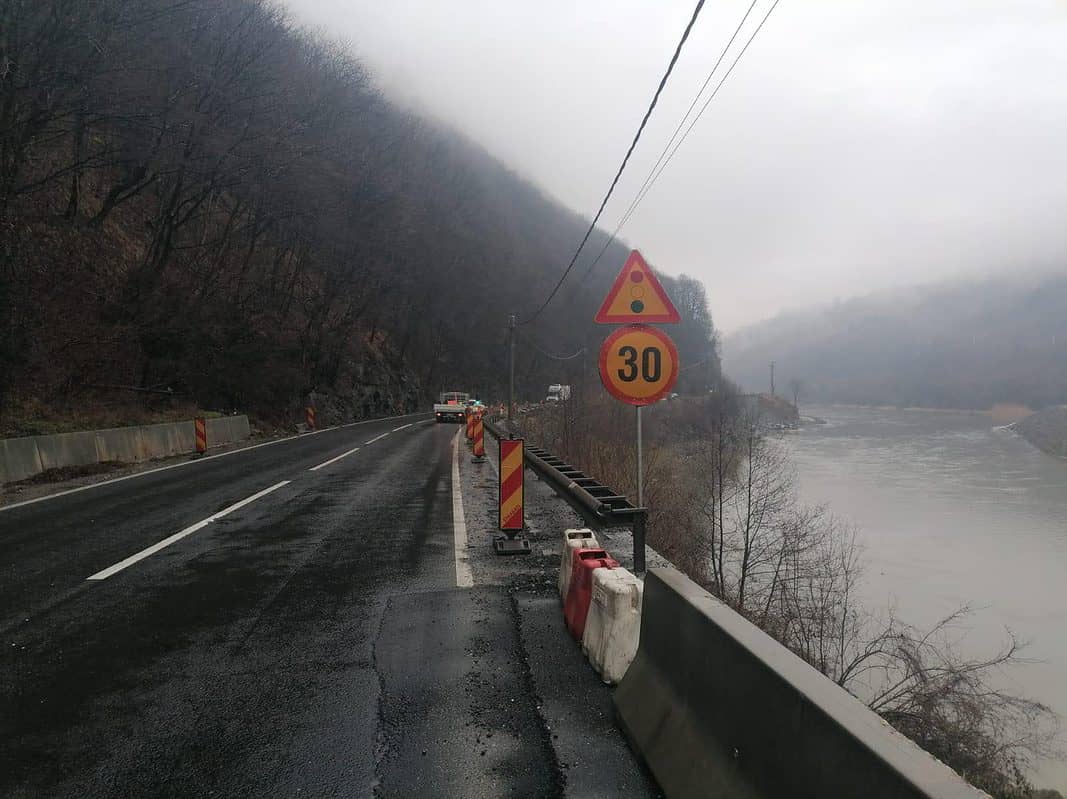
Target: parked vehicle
[
  {"x": 558, "y": 393},
  {"x": 451, "y": 406}
]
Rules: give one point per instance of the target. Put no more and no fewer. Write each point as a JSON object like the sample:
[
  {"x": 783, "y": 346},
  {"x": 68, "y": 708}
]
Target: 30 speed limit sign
[{"x": 638, "y": 364}]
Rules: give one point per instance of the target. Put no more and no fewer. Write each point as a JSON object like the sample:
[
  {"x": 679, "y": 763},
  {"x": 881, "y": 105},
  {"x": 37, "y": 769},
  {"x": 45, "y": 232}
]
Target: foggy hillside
[
  {"x": 960, "y": 345},
  {"x": 200, "y": 196}
]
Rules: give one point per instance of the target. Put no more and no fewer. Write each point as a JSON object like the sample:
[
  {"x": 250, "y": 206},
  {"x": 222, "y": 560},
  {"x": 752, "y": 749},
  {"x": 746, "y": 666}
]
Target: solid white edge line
[
  {"x": 376, "y": 438},
  {"x": 193, "y": 462},
  {"x": 464, "y": 578},
  {"x": 333, "y": 460},
  {"x": 166, "y": 542},
  {"x": 402, "y": 427}
]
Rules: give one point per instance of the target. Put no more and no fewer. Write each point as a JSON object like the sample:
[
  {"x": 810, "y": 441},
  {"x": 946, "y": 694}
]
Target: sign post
[{"x": 638, "y": 363}]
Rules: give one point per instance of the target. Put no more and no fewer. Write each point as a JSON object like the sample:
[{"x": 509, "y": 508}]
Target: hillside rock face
[{"x": 1046, "y": 430}]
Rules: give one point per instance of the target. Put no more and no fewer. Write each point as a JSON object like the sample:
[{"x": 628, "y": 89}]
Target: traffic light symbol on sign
[{"x": 637, "y": 297}]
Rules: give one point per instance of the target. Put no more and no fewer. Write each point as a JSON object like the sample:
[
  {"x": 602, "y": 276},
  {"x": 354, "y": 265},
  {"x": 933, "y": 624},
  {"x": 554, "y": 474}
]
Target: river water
[{"x": 953, "y": 510}]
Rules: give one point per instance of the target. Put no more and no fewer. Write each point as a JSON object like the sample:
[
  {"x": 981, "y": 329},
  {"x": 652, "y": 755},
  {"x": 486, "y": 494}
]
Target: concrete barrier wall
[
  {"x": 718, "y": 708},
  {"x": 226, "y": 430},
  {"x": 21, "y": 458}
]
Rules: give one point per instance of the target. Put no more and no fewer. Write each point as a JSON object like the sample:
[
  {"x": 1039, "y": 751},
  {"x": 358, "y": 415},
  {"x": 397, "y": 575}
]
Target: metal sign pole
[
  {"x": 640, "y": 464},
  {"x": 639, "y": 526},
  {"x": 511, "y": 376}
]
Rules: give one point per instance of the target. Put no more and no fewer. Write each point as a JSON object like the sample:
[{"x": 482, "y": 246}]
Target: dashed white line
[
  {"x": 166, "y": 542},
  {"x": 376, "y": 438},
  {"x": 402, "y": 427},
  {"x": 464, "y": 578},
  {"x": 333, "y": 460}
]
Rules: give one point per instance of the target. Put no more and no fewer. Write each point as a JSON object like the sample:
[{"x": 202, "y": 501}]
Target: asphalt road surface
[{"x": 298, "y": 618}]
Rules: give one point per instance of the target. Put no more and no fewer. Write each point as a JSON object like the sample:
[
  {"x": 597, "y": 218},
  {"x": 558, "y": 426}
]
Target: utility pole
[
  {"x": 772, "y": 378},
  {"x": 511, "y": 376}
]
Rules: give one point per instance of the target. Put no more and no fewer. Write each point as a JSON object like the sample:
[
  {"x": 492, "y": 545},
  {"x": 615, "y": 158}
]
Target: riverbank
[
  {"x": 1046, "y": 430},
  {"x": 953, "y": 511}
]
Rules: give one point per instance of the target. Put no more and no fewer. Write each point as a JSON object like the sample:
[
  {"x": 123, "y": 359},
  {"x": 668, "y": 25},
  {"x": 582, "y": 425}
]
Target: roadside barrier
[
  {"x": 201, "y": 434},
  {"x": 613, "y": 623},
  {"x": 716, "y": 707},
  {"x": 579, "y": 595},
  {"x": 573, "y": 539},
  {"x": 24, "y": 457},
  {"x": 597, "y": 503}
]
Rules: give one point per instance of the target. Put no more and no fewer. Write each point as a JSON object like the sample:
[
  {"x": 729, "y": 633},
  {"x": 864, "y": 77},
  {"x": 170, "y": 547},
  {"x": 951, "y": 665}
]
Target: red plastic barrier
[{"x": 576, "y": 605}]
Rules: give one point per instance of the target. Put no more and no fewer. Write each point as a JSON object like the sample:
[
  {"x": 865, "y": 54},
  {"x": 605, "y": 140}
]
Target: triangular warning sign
[{"x": 637, "y": 296}]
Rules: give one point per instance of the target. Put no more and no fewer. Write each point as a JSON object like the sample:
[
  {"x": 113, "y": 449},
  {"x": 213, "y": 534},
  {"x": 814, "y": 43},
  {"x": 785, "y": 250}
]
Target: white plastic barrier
[
  {"x": 613, "y": 626},
  {"x": 573, "y": 539}
]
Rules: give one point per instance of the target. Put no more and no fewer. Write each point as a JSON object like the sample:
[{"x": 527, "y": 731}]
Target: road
[{"x": 298, "y": 618}]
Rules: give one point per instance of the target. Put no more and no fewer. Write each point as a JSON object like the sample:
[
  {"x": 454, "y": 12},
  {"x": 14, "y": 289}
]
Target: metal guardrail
[{"x": 600, "y": 505}]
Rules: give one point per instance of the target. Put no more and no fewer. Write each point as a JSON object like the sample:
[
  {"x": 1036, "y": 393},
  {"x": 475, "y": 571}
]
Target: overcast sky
[{"x": 858, "y": 145}]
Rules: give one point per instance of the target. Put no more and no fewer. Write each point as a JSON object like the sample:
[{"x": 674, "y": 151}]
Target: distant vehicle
[
  {"x": 558, "y": 393},
  {"x": 451, "y": 406}
]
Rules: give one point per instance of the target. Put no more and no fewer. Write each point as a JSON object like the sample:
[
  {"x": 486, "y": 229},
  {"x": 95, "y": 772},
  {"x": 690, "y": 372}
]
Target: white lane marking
[
  {"x": 376, "y": 438},
  {"x": 427, "y": 421},
  {"x": 146, "y": 472},
  {"x": 166, "y": 542},
  {"x": 333, "y": 460},
  {"x": 464, "y": 578},
  {"x": 402, "y": 427}
]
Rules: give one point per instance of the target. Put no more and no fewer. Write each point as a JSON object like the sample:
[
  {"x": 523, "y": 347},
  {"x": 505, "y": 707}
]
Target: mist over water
[{"x": 953, "y": 510}]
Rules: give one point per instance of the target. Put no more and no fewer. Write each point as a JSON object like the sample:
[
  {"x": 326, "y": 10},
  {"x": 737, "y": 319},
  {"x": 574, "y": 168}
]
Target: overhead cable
[
  {"x": 532, "y": 343},
  {"x": 661, "y": 164},
  {"x": 622, "y": 166}
]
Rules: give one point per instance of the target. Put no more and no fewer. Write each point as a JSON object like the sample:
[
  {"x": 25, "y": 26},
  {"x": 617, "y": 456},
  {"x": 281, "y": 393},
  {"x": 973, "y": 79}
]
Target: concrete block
[
  {"x": 581, "y": 538},
  {"x": 162, "y": 440},
  {"x": 716, "y": 707},
  {"x": 125, "y": 444},
  {"x": 67, "y": 449},
  {"x": 19, "y": 459},
  {"x": 613, "y": 625},
  {"x": 227, "y": 430}
]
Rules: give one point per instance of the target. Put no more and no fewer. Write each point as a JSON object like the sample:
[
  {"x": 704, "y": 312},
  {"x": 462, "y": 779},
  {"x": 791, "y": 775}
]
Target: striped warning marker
[
  {"x": 479, "y": 436},
  {"x": 511, "y": 474},
  {"x": 201, "y": 435},
  {"x": 470, "y": 423},
  {"x": 310, "y": 413}
]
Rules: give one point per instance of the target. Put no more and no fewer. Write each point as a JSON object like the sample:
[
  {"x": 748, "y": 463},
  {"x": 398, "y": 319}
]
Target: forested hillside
[
  {"x": 200, "y": 196},
  {"x": 957, "y": 345}
]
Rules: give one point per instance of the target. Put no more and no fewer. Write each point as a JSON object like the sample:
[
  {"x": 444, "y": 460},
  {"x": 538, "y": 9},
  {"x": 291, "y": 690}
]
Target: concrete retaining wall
[
  {"x": 24, "y": 457},
  {"x": 718, "y": 708}
]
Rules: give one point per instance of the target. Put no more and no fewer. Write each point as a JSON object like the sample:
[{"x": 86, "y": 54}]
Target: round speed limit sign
[{"x": 638, "y": 364}]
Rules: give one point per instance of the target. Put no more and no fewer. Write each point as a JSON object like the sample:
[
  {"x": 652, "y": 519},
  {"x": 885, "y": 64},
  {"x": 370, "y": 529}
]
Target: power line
[
  {"x": 703, "y": 108},
  {"x": 653, "y": 175},
  {"x": 622, "y": 166},
  {"x": 532, "y": 343}
]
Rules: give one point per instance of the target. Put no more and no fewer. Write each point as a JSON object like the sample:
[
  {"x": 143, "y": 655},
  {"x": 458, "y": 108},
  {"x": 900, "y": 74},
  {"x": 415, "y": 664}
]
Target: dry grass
[{"x": 33, "y": 417}]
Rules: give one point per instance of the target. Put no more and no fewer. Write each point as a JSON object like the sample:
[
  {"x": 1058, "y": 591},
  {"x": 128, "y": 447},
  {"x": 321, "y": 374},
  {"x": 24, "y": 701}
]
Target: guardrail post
[{"x": 639, "y": 542}]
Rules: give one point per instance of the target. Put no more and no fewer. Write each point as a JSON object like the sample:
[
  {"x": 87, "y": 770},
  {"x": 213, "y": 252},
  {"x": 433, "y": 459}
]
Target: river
[{"x": 953, "y": 510}]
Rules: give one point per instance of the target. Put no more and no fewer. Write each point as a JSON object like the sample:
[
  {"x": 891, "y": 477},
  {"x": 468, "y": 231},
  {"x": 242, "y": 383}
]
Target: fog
[{"x": 855, "y": 146}]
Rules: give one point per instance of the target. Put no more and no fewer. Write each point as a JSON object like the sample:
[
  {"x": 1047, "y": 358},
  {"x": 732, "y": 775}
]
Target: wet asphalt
[{"x": 313, "y": 642}]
